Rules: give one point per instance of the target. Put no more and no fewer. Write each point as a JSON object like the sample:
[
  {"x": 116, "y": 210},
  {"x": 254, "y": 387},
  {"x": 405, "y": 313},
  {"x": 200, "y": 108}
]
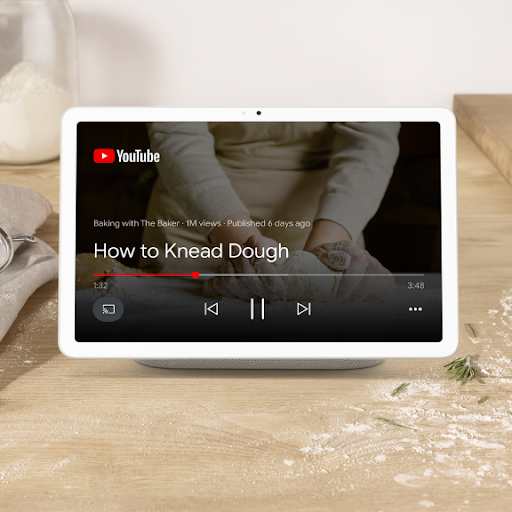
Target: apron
[{"x": 278, "y": 170}]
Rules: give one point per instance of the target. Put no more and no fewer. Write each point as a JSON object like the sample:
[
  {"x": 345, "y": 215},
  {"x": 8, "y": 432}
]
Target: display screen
[{"x": 260, "y": 231}]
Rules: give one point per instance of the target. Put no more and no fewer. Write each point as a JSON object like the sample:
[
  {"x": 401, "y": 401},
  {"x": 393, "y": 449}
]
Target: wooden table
[
  {"x": 115, "y": 435},
  {"x": 486, "y": 118}
]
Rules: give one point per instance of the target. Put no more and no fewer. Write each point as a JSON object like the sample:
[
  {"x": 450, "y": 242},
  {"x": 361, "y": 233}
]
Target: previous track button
[{"x": 213, "y": 309}]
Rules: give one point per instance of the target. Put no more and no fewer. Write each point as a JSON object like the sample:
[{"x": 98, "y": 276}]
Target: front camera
[{"x": 258, "y": 112}]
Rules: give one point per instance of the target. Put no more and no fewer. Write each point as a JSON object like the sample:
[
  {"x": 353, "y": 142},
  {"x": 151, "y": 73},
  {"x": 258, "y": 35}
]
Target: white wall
[{"x": 292, "y": 52}]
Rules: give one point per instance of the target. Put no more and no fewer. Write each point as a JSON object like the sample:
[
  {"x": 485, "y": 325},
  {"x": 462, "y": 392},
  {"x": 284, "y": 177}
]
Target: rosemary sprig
[
  {"x": 393, "y": 424},
  {"x": 396, "y": 390},
  {"x": 471, "y": 332},
  {"x": 481, "y": 400},
  {"x": 461, "y": 369}
]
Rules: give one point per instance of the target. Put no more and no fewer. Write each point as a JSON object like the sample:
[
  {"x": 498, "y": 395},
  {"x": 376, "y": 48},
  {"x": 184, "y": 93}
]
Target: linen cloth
[{"x": 22, "y": 211}]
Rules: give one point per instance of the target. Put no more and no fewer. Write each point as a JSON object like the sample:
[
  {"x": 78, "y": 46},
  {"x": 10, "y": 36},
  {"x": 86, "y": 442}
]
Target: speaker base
[{"x": 260, "y": 364}]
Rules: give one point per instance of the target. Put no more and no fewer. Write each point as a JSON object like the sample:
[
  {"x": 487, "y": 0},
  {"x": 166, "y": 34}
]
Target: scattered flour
[
  {"x": 355, "y": 428},
  {"x": 321, "y": 436},
  {"x": 486, "y": 445},
  {"x": 31, "y": 108},
  {"x": 319, "y": 445},
  {"x": 457, "y": 441},
  {"x": 30, "y": 466},
  {"x": 410, "y": 480},
  {"x": 16, "y": 469}
]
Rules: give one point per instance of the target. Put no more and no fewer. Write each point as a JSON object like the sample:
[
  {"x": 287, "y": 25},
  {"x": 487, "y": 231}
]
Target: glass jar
[{"x": 38, "y": 77}]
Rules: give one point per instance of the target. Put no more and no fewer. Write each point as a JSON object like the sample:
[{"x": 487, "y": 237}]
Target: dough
[
  {"x": 309, "y": 287},
  {"x": 301, "y": 287},
  {"x": 87, "y": 265}
]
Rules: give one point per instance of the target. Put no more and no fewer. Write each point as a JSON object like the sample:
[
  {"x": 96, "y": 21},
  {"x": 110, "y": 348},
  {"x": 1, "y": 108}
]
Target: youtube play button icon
[{"x": 104, "y": 156}]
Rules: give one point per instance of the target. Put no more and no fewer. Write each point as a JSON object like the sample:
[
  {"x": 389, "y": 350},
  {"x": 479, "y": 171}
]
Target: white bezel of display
[{"x": 260, "y": 349}]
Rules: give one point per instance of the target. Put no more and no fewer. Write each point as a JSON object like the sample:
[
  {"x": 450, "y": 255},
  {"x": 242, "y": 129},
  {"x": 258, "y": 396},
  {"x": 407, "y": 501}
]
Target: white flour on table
[{"x": 454, "y": 439}]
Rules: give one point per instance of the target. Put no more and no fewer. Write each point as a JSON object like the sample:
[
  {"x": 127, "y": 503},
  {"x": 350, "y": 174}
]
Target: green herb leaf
[
  {"x": 461, "y": 369},
  {"x": 396, "y": 390},
  {"x": 386, "y": 422},
  {"x": 482, "y": 400},
  {"x": 508, "y": 412},
  {"x": 471, "y": 332}
]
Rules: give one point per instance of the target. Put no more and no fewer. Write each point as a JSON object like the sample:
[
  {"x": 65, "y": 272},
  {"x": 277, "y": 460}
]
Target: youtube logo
[{"x": 104, "y": 156}]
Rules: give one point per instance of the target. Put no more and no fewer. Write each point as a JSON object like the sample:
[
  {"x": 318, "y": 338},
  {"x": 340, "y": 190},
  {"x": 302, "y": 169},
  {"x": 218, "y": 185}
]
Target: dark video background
[{"x": 404, "y": 235}]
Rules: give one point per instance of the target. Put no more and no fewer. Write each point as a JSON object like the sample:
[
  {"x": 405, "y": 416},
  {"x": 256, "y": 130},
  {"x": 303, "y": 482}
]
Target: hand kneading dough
[
  {"x": 309, "y": 287},
  {"x": 87, "y": 265},
  {"x": 301, "y": 287}
]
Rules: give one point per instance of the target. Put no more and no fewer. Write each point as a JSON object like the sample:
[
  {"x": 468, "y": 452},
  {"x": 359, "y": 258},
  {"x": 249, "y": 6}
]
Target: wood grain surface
[
  {"x": 486, "y": 118},
  {"x": 117, "y": 436}
]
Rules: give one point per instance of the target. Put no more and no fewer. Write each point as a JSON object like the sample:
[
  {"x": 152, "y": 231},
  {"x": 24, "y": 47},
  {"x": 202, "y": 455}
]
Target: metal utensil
[{"x": 7, "y": 247}]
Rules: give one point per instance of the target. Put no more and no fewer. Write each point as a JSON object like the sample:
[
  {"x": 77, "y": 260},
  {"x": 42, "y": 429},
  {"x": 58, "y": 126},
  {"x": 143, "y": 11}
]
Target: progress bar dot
[{"x": 195, "y": 274}]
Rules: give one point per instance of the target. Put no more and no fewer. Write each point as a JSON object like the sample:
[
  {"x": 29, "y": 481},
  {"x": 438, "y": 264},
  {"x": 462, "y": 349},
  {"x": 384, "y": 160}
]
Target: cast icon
[{"x": 108, "y": 309}]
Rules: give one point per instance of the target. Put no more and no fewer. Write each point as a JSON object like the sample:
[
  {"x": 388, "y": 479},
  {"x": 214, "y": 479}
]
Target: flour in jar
[{"x": 31, "y": 107}]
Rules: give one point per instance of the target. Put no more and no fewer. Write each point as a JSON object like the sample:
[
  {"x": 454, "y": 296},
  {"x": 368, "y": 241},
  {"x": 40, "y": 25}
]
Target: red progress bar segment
[{"x": 194, "y": 274}]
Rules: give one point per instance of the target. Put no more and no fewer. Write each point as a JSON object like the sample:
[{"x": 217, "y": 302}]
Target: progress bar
[
  {"x": 196, "y": 275},
  {"x": 309, "y": 275}
]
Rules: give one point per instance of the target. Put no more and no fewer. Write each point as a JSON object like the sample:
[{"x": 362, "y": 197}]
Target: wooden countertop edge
[{"x": 492, "y": 147}]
